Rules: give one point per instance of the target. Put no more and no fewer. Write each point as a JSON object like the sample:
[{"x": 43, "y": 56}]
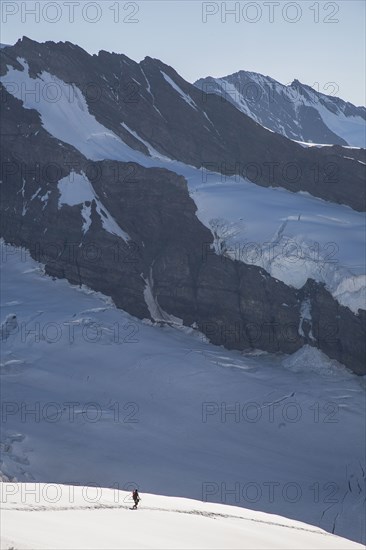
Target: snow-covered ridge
[
  {"x": 293, "y": 110},
  {"x": 182, "y": 94},
  {"x": 100, "y": 518},
  {"x": 153, "y": 152}
]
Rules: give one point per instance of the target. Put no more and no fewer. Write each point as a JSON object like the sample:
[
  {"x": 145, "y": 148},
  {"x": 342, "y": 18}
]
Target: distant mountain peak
[{"x": 297, "y": 110}]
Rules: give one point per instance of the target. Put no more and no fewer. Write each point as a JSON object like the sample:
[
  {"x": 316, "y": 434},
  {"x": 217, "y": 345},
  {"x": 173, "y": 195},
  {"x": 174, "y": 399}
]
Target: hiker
[{"x": 136, "y": 498}]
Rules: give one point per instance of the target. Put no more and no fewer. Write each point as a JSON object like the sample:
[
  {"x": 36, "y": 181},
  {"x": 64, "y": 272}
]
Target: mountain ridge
[{"x": 206, "y": 133}]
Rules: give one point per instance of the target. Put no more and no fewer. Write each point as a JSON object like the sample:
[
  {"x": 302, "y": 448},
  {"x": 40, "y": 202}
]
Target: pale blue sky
[{"x": 312, "y": 48}]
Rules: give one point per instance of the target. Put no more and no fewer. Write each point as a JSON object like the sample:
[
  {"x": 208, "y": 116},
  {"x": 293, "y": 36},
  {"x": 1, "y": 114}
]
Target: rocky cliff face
[{"x": 133, "y": 234}]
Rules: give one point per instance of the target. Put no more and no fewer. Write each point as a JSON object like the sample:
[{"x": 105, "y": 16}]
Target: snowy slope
[
  {"x": 292, "y": 235},
  {"x": 65, "y": 517},
  {"x": 118, "y": 402},
  {"x": 82, "y": 130},
  {"x": 77, "y": 189},
  {"x": 296, "y": 111}
]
